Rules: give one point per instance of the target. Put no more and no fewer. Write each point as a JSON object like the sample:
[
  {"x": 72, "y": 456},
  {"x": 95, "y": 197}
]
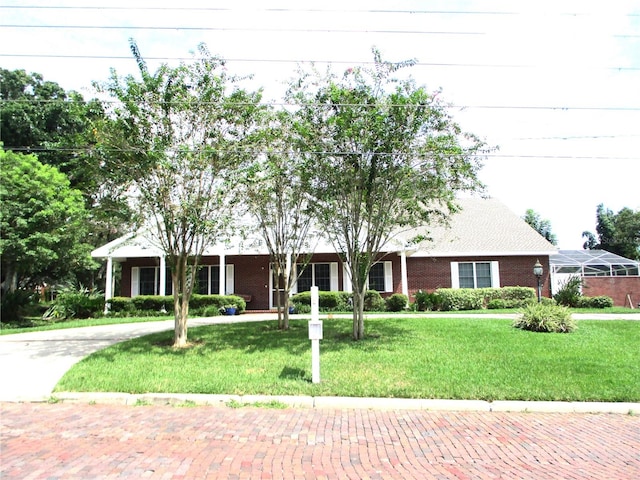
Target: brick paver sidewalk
[{"x": 61, "y": 441}]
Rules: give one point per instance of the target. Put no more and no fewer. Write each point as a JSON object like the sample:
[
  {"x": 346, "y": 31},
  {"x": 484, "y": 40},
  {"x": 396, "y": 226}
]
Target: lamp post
[{"x": 537, "y": 271}]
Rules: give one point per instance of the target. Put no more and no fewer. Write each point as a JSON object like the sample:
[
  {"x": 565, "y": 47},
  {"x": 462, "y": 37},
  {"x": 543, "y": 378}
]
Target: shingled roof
[{"x": 485, "y": 226}]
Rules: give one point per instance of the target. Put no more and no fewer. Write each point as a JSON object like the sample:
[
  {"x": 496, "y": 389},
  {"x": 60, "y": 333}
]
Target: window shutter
[
  {"x": 135, "y": 281},
  {"x": 333, "y": 272},
  {"x": 388, "y": 276},
  {"x": 346, "y": 279},
  {"x": 495, "y": 275},
  {"x": 455, "y": 279},
  {"x": 230, "y": 281}
]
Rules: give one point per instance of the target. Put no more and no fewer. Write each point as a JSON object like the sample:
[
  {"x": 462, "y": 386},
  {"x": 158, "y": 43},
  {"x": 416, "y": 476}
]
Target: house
[
  {"x": 485, "y": 245},
  {"x": 602, "y": 273}
]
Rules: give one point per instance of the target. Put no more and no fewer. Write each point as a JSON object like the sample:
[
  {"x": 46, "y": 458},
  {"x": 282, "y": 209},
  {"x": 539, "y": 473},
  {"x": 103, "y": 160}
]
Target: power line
[
  {"x": 294, "y": 61},
  {"x": 261, "y": 29},
  {"x": 296, "y": 10},
  {"x": 242, "y": 29}
]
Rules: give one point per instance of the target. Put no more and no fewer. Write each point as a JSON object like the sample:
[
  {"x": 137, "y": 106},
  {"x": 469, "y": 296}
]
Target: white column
[
  {"x": 223, "y": 276},
  {"x": 403, "y": 273},
  {"x": 163, "y": 276},
  {"x": 108, "y": 287}
]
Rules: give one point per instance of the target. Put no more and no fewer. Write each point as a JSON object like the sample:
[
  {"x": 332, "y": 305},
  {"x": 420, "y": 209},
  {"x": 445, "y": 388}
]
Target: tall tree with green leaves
[
  {"x": 275, "y": 190},
  {"x": 41, "y": 117},
  {"x": 387, "y": 156},
  {"x": 179, "y": 132},
  {"x": 43, "y": 224},
  {"x": 617, "y": 233},
  {"x": 543, "y": 227}
]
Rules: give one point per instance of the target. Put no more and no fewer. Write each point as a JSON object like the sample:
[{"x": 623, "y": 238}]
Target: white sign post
[{"x": 315, "y": 335}]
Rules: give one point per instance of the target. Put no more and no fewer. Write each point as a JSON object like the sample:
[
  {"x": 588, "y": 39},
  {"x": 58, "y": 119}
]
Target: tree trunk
[
  {"x": 285, "y": 309},
  {"x": 180, "y": 301},
  {"x": 358, "y": 313}
]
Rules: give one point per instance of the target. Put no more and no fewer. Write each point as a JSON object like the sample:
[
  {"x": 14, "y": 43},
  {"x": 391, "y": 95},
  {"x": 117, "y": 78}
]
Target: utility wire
[
  {"x": 295, "y": 10},
  {"x": 294, "y": 61}
]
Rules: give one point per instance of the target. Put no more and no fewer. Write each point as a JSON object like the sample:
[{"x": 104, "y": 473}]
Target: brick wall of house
[
  {"x": 615, "y": 287},
  {"x": 425, "y": 273},
  {"x": 251, "y": 273}
]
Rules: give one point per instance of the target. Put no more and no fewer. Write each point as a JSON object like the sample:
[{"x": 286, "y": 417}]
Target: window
[
  {"x": 146, "y": 280},
  {"x": 149, "y": 281},
  {"x": 474, "y": 274},
  {"x": 318, "y": 274},
  {"x": 376, "y": 277}
]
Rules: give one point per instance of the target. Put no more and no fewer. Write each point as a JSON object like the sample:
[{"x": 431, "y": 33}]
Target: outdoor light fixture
[{"x": 537, "y": 271}]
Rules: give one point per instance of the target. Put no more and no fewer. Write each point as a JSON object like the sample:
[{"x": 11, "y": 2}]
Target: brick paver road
[{"x": 64, "y": 441}]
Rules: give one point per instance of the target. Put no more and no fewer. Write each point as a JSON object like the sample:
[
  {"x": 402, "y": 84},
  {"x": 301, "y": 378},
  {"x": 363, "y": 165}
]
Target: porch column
[
  {"x": 108, "y": 287},
  {"x": 223, "y": 277},
  {"x": 162, "y": 291},
  {"x": 403, "y": 272}
]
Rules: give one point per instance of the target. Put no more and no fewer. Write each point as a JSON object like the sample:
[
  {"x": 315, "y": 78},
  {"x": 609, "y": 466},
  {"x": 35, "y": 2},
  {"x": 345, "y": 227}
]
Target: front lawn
[{"x": 454, "y": 358}]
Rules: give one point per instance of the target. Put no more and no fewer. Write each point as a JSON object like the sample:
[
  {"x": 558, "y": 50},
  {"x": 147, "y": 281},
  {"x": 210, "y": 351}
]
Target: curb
[{"x": 368, "y": 403}]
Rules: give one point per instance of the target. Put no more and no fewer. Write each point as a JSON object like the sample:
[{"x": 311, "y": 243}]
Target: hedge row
[
  {"x": 452, "y": 299},
  {"x": 206, "y": 305},
  {"x": 337, "y": 301}
]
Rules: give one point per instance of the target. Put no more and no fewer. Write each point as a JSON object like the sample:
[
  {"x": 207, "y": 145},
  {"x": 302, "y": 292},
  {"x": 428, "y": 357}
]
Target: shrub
[
  {"x": 545, "y": 318},
  {"x": 461, "y": 298},
  {"x": 497, "y": 303},
  {"x": 152, "y": 303},
  {"x": 327, "y": 301},
  {"x": 570, "y": 292},
  {"x": 373, "y": 301},
  {"x": 426, "y": 301},
  {"x": 595, "y": 302},
  {"x": 76, "y": 303},
  {"x": 15, "y": 305},
  {"x": 396, "y": 302},
  {"x": 121, "y": 305}
]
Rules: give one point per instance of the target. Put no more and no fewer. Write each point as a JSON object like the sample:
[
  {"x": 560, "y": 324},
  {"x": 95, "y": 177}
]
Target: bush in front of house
[
  {"x": 396, "y": 302},
  {"x": 156, "y": 305},
  {"x": 426, "y": 301},
  {"x": 373, "y": 301},
  {"x": 570, "y": 292},
  {"x": 16, "y": 305},
  {"x": 74, "y": 302},
  {"x": 539, "y": 317},
  {"x": 327, "y": 301},
  {"x": 595, "y": 302},
  {"x": 454, "y": 299}
]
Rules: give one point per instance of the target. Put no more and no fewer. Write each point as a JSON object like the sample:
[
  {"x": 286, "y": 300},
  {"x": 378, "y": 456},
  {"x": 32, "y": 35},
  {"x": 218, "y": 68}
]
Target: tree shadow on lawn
[{"x": 253, "y": 337}]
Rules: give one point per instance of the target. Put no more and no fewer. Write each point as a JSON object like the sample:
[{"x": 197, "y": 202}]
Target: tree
[
  {"x": 39, "y": 116},
  {"x": 276, "y": 193},
  {"x": 616, "y": 233},
  {"x": 43, "y": 223},
  {"x": 386, "y": 156},
  {"x": 181, "y": 127},
  {"x": 543, "y": 227}
]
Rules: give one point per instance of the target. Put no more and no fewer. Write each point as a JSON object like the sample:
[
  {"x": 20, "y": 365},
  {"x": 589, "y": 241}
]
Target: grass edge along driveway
[{"x": 455, "y": 358}]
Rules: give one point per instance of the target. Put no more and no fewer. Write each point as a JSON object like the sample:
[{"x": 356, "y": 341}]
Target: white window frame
[
  {"x": 388, "y": 276},
  {"x": 495, "y": 273},
  {"x": 229, "y": 279},
  {"x": 333, "y": 276}
]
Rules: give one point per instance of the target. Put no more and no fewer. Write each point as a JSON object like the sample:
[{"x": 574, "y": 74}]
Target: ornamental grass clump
[{"x": 540, "y": 317}]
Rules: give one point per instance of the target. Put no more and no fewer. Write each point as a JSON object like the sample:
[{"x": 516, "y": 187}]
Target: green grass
[
  {"x": 39, "y": 324},
  {"x": 400, "y": 357}
]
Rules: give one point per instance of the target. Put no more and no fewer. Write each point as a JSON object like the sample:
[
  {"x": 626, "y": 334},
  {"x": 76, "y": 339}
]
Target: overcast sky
[{"x": 554, "y": 84}]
